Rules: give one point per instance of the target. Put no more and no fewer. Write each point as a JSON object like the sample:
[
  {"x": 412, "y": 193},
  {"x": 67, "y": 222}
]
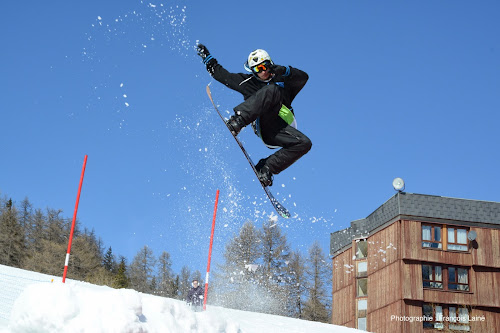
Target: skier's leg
[
  {"x": 295, "y": 144},
  {"x": 265, "y": 101}
]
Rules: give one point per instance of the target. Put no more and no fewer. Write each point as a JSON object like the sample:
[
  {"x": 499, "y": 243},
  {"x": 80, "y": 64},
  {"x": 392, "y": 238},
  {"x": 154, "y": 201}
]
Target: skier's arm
[
  {"x": 295, "y": 79},
  {"x": 231, "y": 80},
  {"x": 292, "y": 76}
]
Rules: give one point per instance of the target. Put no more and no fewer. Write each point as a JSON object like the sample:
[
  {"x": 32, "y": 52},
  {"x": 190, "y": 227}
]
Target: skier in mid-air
[{"x": 268, "y": 93}]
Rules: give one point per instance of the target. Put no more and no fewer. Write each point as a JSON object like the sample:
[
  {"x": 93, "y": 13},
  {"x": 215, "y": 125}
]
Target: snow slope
[{"x": 33, "y": 302}]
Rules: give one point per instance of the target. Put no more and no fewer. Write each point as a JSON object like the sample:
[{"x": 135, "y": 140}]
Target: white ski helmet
[{"x": 256, "y": 57}]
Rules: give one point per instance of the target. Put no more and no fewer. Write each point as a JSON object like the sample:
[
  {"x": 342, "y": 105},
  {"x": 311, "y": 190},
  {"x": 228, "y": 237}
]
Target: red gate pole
[
  {"x": 74, "y": 220},
  {"x": 210, "y": 251}
]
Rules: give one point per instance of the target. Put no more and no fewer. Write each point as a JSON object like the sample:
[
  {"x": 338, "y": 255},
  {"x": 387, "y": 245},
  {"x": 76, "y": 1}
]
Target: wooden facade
[{"x": 395, "y": 287}]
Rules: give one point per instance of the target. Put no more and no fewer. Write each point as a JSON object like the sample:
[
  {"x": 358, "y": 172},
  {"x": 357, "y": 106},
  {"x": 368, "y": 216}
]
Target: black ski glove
[
  {"x": 203, "y": 53},
  {"x": 273, "y": 68},
  {"x": 280, "y": 70}
]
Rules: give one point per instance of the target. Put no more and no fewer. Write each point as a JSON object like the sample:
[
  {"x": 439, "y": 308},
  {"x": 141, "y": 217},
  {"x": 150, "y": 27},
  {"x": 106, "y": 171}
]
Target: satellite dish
[
  {"x": 398, "y": 184},
  {"x": 471, "y": 235}
]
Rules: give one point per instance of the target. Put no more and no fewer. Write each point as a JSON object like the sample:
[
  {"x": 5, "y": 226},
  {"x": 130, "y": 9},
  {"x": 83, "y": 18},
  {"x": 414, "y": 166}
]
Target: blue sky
[{"x": 396, "y": 89}]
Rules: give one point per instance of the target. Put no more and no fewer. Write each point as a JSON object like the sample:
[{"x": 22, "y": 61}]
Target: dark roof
[{"x": 422, "y": 207}]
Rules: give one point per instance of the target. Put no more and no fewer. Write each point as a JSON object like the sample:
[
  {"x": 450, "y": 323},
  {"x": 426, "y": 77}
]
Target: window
[
  {"x": 362, "y": 269},
  {"x": 361, "y": 314},
  {"x": 433, "y": 316},
  {"x": 459, "y": 318},
  {"x": 361, "y": 248},
  {"x": 432, "y": 276},
  {"x": 457, "y": 239},
  {"x": 362, "y": 287},
  {"x": 431, "y": 236},
  {"x": 361, "y": 282},
  {"x": 458, "y": 278}
]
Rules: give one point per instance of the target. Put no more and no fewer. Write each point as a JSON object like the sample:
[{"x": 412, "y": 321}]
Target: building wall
[
  {"x": 412, "y": 280},
  {"x": 412, "y": 309},
  {"x": 384, "y": 287},
  {"x": 381, "y": 320},
  {"x": 395, "y": 257},
  {"x": 487, "y": 251},
  {"x": 343, "y": 270},
  {"x": 491, "y": 322},
  {"x": 384, "y": 280},
  {"x": 484, "y": 281},
  {"x": 412, "y": 250},
  {"x": 384, "y": 248},
  {"x": 343, "y": 307},
  {"x": 487, "y": 288},
  {"x": 343, "y": 297}
]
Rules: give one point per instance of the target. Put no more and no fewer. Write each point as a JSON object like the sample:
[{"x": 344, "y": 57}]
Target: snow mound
[
  {"x": 34, "y": 302},
  {"x": 79, "y": 307}
]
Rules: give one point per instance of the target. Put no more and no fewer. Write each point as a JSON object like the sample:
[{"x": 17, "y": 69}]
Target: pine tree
[
  {"x": 239, "y": 284},
  {"x": 153, "y": 286},
  {"x": 165, "y": 276},
  {"x": 275, "y": 256},
  {"x": 175, "y": 287},
  {"x": 49, "y": 260},
  {"x": 109, "y": 261},
  {"x": 36, "y": 232},
  {"x": 85, "y": 257},
  {"x": 56, "y": 230},
  {"x": 121, "y": 280},
  {"x": 12, "y": 247},
  {"x": 100, "y": 276},
  {"x": 26, "y": 215},
  {"x": 197, "y": 276},
  {"x": 275, "y": 251},
  {"x": 316, "y": 307},
  {"x": 141, "y": 270},
  {"x": 184, "y": 284},
  {"x": 245, "y": 249},
  {"x": 296, "y": 285}
]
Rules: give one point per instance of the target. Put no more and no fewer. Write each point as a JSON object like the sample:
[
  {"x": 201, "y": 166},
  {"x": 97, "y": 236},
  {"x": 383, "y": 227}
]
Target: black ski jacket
[
  {"x": 194, "y": 294},
  {"x": 292, "y": 80}
]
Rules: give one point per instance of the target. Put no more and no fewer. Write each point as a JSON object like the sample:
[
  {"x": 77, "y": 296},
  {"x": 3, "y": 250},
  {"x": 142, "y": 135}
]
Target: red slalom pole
[
  {"x": 74, "y": 220},
  {"x": 210, "y": 251}
]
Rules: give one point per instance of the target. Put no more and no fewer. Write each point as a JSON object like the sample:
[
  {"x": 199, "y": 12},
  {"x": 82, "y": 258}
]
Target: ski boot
[
  {"x": 235, "y": 124},
  {"x": 264, "y": 174}
]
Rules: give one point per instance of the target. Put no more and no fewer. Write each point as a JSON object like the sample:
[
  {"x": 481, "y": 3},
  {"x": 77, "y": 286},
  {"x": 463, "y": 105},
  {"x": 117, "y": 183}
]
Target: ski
[{"x": 282, "y": 211}]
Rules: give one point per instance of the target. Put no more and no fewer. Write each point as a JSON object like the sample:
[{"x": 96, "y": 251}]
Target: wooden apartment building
[{"x": 419, "y": 263}]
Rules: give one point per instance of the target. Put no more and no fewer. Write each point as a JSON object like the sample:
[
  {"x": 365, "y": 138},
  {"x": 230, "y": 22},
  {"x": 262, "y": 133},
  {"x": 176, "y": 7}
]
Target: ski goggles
[{"x": 262, "y": 67}]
